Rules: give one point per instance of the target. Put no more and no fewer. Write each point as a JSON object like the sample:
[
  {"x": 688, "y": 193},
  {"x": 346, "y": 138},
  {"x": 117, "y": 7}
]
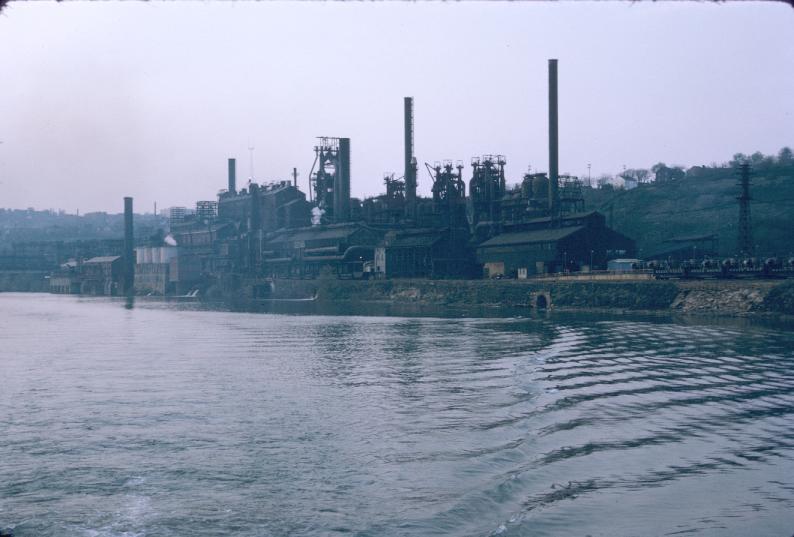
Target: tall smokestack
[
  {"x": 342, "y": 180},
  {"x": 254, "y": 227},
  {"x": 232, "y": 176},
  {"x": 553, "y": 143},
  {"x": 410, "y": 161},
  {"x": 129, "y": 254}
]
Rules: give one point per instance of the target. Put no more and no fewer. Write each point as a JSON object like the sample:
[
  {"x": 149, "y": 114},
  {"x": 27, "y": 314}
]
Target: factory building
[
  {"x": 66, "y": 280},
  {"x": 205, "y": 250},
  {"x": 536, "y": 226},
  {"x": 340, "y": 249},
  {"x": 475, "y": 223},
  {"x": 266, "y": 207},
  {"x": 581, "y": 241},
  {"x": 424, "y": 253},
  {"x": 470, "y": 227},
  {"x": 101, "y": 275},
  {"x": 153, "y": 269}
]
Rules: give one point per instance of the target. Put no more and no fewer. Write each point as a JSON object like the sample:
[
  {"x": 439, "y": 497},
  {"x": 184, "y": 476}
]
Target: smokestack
[
  {"x": 232, "y": 176},
  {"x": 410, "y": 161},
  {"x": 342, "y": 183},
  {"x": 553, "y": 143},
  {"x": 254, "y": 227},
  {"x": 129, "y": 254}
]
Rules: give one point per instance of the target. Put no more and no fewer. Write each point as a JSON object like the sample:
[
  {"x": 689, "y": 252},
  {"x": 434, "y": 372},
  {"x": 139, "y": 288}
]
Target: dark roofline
[
  {"x": 103, "y": 259},
  {"x": 322, "y": 226},
  {"x": 569, "y": 216},
  {"x": 693, "y": 238},
  {"x": 534, "y": 236}
]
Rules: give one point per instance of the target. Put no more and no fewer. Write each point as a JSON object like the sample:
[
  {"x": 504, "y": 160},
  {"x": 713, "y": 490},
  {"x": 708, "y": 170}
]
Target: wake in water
[{"x": 202, "y": 423}]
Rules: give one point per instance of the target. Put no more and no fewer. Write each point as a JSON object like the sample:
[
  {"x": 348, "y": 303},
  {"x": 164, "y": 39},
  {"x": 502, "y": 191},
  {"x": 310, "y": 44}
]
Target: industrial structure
[
  {"x": 331, "y": 181},
  {"x": 129, "y": 255},
  {"x": 490, "y": 229},
  {"x": 494, "y": 229},
  {"x": 745, "y": 239},
  {"x": 410, "y": 160}
]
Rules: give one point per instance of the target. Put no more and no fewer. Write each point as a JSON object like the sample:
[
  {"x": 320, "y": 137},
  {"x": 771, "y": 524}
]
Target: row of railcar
[{"x": 726, "y": 268}]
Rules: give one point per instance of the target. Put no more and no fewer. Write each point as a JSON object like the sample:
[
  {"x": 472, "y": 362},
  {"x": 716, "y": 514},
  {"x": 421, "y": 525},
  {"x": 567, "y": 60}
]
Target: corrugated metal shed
[
  {"x": 103, "y": 259},
  {"x": 340, "y": 231},
  {"x": 530, "y": 237},
  {"x": 564, "y": 217},
  {"x": 414, "y": 240}
]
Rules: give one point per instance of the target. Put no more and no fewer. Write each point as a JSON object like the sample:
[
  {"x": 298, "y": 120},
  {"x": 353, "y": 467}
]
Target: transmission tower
[{"x": 745, "y": 239}]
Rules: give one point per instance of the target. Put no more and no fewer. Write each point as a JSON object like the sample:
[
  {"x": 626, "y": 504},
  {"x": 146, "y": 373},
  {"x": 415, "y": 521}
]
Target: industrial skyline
[{"x": 103, "y": 105}]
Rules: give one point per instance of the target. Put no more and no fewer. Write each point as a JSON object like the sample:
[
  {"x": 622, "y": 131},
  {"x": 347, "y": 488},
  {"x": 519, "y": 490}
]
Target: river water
[{"x": 167, "y": 420}]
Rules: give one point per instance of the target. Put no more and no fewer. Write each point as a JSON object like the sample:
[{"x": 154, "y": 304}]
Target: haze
[{"x": 104, "y": 100}]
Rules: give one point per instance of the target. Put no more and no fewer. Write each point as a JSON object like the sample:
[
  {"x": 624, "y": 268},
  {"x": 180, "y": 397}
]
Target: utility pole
[
  {"x": 745, "y": 239},
  {"x": 251, "y": 162}
]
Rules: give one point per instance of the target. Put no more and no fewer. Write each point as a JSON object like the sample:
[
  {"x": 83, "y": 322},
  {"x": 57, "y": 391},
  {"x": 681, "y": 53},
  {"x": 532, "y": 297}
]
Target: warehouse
[
  {"x": 580, "y": 242},
  {"x": 341, "y": 249},
  {"x": 424, "y": 253}
]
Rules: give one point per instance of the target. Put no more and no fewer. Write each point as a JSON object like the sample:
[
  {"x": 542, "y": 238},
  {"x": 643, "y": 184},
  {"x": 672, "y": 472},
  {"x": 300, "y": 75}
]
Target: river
[{"x": 167, "y": 419}]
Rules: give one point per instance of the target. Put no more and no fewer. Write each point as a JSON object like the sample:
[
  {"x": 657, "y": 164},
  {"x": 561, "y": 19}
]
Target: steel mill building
[{"x": 474, "y": 225}]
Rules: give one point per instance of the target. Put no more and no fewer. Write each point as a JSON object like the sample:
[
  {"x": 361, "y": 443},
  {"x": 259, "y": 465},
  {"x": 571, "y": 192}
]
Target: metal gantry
[{"x": 745, "y": 238}]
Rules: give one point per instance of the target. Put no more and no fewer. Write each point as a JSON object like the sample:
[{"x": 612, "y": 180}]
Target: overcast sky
[{"x": 99, "y": 100}]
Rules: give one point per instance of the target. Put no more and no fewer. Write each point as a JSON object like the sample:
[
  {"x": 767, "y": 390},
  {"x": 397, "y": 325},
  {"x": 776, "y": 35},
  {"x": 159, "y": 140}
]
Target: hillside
[
  {"x": 703, "y": 202},
  {"x": 20, "y": 226}
]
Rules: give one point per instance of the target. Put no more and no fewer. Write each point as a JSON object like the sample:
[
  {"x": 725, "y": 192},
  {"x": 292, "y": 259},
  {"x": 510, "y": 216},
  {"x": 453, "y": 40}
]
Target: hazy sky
[{"x": 99, "y": 100}]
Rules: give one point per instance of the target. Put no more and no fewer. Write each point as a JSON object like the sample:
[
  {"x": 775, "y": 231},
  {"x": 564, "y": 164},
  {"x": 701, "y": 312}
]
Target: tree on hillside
[
  {"x": 604, "y": 181},
  {"x": 637, "y": 175},
  {"x": 759, "y": 161},
  {"x": 785, "y": 157},
  {"x": 663, "y": 173}
]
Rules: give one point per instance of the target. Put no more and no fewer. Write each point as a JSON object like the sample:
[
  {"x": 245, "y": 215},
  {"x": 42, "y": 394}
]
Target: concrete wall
[{"x": 691, "y": 297}]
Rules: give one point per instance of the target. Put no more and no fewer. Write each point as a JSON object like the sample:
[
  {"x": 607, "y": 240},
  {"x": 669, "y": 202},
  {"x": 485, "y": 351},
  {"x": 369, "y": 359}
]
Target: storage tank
[
  {"x": 167, "y": 253},
  {"x": 144, "y": 255}
]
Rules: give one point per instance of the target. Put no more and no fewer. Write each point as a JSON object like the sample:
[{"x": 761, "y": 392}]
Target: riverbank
[
  {"x": 731, "y": 298},
  {"x": 24, "y": 281},
  {"x": 735, "y": 298}
]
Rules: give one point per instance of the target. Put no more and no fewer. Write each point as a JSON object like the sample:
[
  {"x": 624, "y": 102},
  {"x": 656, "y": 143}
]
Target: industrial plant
[{"x": 475, "y": 225}]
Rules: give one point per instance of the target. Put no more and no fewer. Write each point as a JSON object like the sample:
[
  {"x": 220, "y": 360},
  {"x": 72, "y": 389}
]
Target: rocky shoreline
[
  {"x": 727, "y": 298},
  {"x": 735, "y": 298}
]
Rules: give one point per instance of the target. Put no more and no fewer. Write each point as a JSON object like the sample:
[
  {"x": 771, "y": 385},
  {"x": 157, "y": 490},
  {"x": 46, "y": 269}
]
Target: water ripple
[{"x": 166, "y": 420}]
